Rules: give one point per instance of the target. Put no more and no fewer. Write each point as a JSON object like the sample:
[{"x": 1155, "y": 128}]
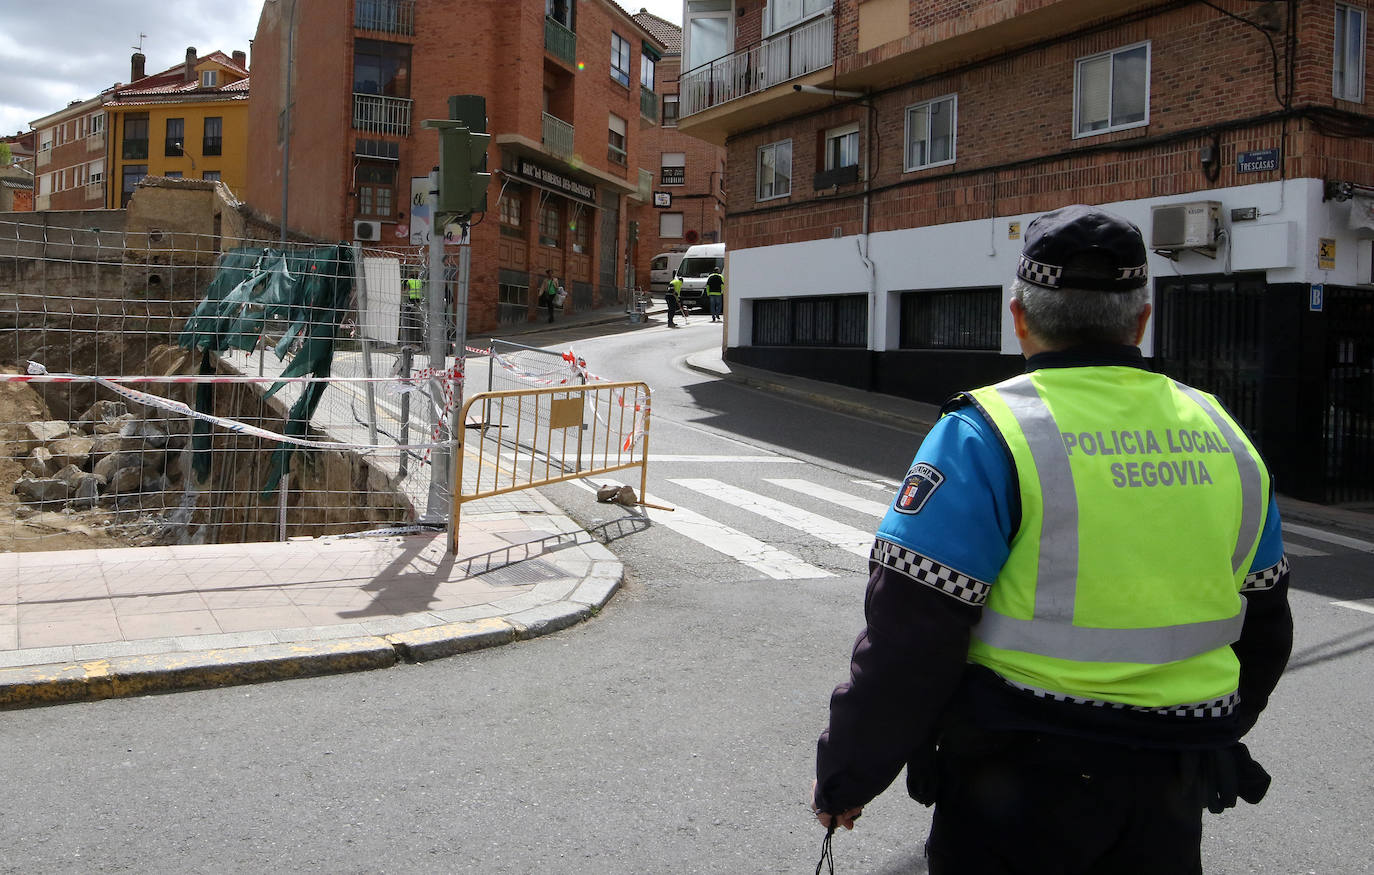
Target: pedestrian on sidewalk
[
  {"x": 673, "y": 298},
  {"x": 549, "y": 292},
  {"x": 715, "y": 294},
  {"x": 1078, "y": 600}
]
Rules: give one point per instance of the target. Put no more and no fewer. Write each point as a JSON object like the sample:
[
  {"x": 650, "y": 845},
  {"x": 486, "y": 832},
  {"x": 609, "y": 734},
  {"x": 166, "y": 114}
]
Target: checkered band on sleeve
[
  {"x": 928, "y": 571},
  {"x": 1258, "y": 581},
  {"x": 1047, "y": 275},
  {"x": 1220, "y": 707}
]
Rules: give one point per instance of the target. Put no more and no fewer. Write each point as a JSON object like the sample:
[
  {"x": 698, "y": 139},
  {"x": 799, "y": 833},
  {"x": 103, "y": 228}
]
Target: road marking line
[
  {"x": 784, "y": 460},
  {"x": 1329, "y": 537},
  {"x": 845, "y": 537},
  {"x": 1295, "y": 550},
  {"x": 833, "y": 496},
  {"x": 732, "y": 543},
  {"x": 884, "y": 485},
  {"x": 1355, "y": 606}
]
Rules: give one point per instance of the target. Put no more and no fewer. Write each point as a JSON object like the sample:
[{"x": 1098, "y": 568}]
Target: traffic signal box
[{"x": 462, "y": 161}]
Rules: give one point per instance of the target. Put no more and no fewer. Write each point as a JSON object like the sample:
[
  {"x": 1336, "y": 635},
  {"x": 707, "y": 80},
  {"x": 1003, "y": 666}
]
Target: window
[
  {"x": 209, "y": 78},
  {"x": 829, "y": 320},
  {"x": 95, "y": 172},
  {"x": 670, "y": 110},
  {"x": 376, "y": 189},
  {"x": 581, "y": 233},
  {"x": 670, "y": 224},
  {"x": 775, "y": 170},
  {"x": 45, "y": 140},
  {"x": 673, "y": 169},
  {"x": 132, "y": 174},
  {"x": 560, "y": 11},
  {"x": 211, "y": 175},
  {"x": 620, "y": 59},
  {"x": 550, "y": 225},
  {"x": 174, "y": 174},
  {"x": 381, "y": 68},
  {"x": 1112, "y": 91},
  {"x": 646, "y": 70},
  {"x": 176, "y": 138},
  {"x": 952, "y": 319},
  {"x": 1347, "y": 74},
  {"x": 930, "y": 133},
  {"x": 510, "y": 215},
  {"x": 212, "y": 141},
  {"x": 616, "y": 151},
  {"x": 135, "y": 143},
  {"x": 842, "y": 147},
  {"x": 709, "y": 32},
  {"x": 782, "y": 14},
  {"x": 98, "y": 123}
]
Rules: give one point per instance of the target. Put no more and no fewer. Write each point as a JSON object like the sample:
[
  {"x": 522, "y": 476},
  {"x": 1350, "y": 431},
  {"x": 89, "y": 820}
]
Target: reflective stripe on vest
[{"x": 1051, "y": 631}]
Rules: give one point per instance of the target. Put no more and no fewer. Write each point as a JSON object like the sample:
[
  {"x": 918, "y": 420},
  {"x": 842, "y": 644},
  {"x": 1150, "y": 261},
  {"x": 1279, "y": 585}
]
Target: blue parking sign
[{"x": 1315, "y": 302}]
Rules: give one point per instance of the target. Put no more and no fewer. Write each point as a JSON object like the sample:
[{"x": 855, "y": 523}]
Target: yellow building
[{"x": 188, "y": 121}]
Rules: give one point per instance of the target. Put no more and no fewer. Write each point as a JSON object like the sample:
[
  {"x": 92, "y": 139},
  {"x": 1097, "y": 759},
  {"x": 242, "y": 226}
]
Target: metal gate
[
  {"x": 1209, "y": 334},
  {"x": 1348, "y": 426}
]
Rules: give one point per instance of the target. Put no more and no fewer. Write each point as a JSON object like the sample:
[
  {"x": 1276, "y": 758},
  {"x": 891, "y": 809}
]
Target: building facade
[
  {"x": 890, "y": 154},
  {"x": 189, "y": 121},
  {"x": 69, "y": 166},
  {"x": 564, "y": 104},
  {"x": 688, "y": 201}
]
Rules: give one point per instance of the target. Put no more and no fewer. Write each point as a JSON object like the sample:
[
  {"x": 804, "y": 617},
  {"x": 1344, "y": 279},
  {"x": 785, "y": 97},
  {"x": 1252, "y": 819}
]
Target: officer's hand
[{"x": 845, "y": 820}]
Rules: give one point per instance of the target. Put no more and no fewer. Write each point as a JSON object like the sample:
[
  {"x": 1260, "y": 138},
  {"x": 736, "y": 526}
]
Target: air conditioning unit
[
  {"x": 1193, "y": 225},
  {"x": 367, "y": 230}
]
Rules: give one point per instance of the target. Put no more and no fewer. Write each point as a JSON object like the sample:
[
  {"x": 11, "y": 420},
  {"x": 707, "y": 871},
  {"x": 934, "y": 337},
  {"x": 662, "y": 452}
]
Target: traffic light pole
[{"x": 438, "y": 504}]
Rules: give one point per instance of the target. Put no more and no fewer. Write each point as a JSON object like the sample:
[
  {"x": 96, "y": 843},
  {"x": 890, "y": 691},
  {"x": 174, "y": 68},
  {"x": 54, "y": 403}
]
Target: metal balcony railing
[
  {"x": 381, "y": 115},
  {"x": 388, "y": 16},
  {"x": 778, "y": 59},
  {"x": 558, "y": 137},
  {"x": 560, "y": 41},
  {"x": 648, "y": 104}
]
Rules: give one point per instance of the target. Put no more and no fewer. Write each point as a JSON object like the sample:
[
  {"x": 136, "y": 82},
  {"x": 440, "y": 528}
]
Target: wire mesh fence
[{"x": 166, "y": 388}]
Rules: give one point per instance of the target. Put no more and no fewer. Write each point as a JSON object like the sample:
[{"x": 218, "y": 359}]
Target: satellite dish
[{"x": 691, "y": 236}]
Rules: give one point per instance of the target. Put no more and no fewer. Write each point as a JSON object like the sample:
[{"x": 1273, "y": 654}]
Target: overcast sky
[{"x": 98, "y": 36}]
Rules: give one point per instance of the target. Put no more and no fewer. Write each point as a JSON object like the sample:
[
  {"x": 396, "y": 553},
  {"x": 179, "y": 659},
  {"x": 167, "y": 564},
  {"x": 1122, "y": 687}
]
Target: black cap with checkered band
[{"x": 1083, "y": 247}]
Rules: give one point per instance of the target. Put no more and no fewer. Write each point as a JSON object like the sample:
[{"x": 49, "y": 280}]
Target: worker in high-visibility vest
[
  {"x": 715, "y": 294},
  {"x": 673, "y": 299},
  {"x": 1077, "y": 602},
  {"x": 414, "y": 310}
]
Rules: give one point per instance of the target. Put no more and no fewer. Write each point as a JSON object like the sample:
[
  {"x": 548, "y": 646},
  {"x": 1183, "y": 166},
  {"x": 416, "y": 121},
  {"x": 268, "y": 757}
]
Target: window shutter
[{"x": 1094, "y": 93}]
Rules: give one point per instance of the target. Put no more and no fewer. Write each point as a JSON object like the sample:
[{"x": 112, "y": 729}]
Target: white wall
[{"x": 1282, "y": 241}]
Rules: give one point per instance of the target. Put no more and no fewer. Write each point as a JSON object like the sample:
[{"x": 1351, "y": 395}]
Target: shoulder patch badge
[{"x": 920, "y": 484}]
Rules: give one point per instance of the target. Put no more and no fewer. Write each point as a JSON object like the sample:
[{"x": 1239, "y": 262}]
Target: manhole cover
[{"x": 520, "y": 573}]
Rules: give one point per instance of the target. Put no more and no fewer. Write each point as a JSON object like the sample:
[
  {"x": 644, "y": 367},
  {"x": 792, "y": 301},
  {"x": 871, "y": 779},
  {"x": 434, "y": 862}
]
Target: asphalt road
[{"x": 672, "y": 733}]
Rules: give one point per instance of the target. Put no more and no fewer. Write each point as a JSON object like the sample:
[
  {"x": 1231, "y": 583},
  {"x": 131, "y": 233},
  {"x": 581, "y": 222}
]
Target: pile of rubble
[{"x": 108, "y": 455}]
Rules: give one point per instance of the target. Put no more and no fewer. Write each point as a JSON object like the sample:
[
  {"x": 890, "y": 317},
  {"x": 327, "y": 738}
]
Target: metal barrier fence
[
  {"x": 535, "y": 437},
  {"x": 195, "y": 388}
]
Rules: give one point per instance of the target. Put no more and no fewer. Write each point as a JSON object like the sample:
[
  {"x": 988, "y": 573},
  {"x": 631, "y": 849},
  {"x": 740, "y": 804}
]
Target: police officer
[
  {"x": 1077, "y": 602},
  {"x": 715, "y": 293},
  {"x": 674, "y": 299}
]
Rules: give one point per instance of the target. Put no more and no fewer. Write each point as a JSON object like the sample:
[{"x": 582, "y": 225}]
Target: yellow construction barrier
[{"x": 534, "y": 437}]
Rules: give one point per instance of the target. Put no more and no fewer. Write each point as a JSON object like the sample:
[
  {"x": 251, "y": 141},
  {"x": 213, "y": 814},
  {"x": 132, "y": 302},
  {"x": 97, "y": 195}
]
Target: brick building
[
  {"x": 689, "y": 173},
  {"x": 16, "y": 177},
  {"x": 565, "y": 107},
  {"x": 69, "y": 166},
  {"x": 889, "y": 153}
]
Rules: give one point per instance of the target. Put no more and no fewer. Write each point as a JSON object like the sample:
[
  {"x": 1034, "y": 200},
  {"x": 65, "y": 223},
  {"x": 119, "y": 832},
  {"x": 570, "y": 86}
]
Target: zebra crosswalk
[{"x": 756, "y": 535}]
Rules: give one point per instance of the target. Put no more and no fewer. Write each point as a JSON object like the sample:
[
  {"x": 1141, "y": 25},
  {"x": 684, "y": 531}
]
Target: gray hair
[{"x": 1062, "y": 318}]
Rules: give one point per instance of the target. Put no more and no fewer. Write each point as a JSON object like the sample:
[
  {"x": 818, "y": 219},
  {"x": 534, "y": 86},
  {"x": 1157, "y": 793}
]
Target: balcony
[
  {"x": 648, "y": 104},
  {"x": 387, "y": 16},
  {"x": 558, "y": 137},
  {"x": 560, "y": 42},
  {"x": 776, "y": 60},
  {"x": 381, "y": 115}
]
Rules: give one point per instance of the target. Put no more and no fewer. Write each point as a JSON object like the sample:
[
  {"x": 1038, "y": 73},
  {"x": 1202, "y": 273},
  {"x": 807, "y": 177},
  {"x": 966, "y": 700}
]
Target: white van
[
  {"x": 661, "y": 269},
  {"x": 699, "y": 262}
]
